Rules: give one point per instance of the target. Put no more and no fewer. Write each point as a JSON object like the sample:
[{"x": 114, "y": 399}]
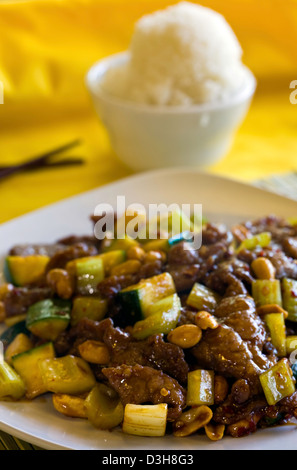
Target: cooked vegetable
[
  {"x": 202, "y": 298},
  {"x": 138, "y": 298},
  {"x": 25, "y": 270},
  {"x": 145, "y": 420},
  {"x": 261, "y": 239},
  {"x": 162, "y": 318},
  {"x": 289, "y": 293},
  {"x": 48, "y": 318},
  {"x": 88, "y": 272},
  {"x": 200, "y": 390},
  {"x": 277, "y": 382},
  {"x": 68, "y": 374},
  {"x": 94, "y": 308},
  {"x": 27, "y": 366},
  {"x": 20, "y": 343},
  {"x": 11, "y": 384},
  {"x": 10, "y": 333},
  {"x": 103, "y": 407},
  {"x": 123, "y": 244},
  {"x": 69, "y": 405},
  {"x": 267, "y": 291},
  {"x": 277, "y": 329}
]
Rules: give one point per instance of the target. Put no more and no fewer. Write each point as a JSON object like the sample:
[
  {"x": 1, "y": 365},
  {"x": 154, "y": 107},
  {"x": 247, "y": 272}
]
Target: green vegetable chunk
[
  {"x": 162, "y": 318},
  {"x": 48, "y": 318},
  {"x": 103, "y": 407},
  {"x": 200, "y": 387},
  {"x": 11, "y": 384},
  {"x": 202, "y": 298},
  {"x": 277, "y": 382},
  {"x": 289, "y": 292},
  {"x": 267, "y": 291}
]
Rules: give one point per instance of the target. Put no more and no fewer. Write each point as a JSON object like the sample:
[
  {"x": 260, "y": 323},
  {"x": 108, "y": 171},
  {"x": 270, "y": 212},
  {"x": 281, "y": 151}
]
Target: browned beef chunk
[
  {"x": 69, "y": 340},
  {"x": 279, "y": 228},
  {"x": 18, "y": 300},
  {"x": 153, "y": 352},
  {"x": 29, "y": 250},
  {"x": 224, "y": 351},
  {"x": 230, "y": 277},
  {"x": 231, "y": 412},
  {"x": 139, "y": 385},
  {"x": 284, "y": 265},
  {"x": 69, "y": 253}
]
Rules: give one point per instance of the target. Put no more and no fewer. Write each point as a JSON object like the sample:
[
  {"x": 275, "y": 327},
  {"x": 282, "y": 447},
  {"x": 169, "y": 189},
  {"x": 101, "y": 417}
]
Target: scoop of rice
[{"x": 182, "y": 55}]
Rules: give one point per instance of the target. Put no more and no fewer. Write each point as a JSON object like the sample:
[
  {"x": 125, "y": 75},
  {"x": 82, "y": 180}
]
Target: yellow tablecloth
[{"x": 46, "y": 47}]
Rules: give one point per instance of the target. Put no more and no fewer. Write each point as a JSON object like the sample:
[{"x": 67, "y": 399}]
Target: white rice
[{"x": 185, "y": 54}]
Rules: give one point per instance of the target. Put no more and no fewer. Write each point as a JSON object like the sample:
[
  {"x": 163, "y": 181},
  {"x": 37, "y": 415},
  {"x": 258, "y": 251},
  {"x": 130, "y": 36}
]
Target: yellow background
[{"x": 46, "y": 48}]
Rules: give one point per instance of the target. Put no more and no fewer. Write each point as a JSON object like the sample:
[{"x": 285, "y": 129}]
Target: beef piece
[
  {"x": 69, "y": 340},
  {"x": 18, "y": 300},
  {"x": 239, "y": 313},
  {"x": 212, "y": 234},
  {"x": 112, "y": 285},
  {"x": 182, "y": 254},
  {"x": 225, "y": 277},
  {"x": 279, "y": 228},
  {"x": 29, "y": 250},
  {"x": 153, "y": 352},
  {"x": 231, "y": 412},
  {"x": 138, "y": 385},
  {"x": 184, "y": 276},
  {"x": 225, "y": 352},
  {"x": 69, "y": 253}
]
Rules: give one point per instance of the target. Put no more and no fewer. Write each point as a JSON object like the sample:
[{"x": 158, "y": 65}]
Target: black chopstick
[
  {"x": 65, "y": 162},
  {"x": 39, "y": 160}
]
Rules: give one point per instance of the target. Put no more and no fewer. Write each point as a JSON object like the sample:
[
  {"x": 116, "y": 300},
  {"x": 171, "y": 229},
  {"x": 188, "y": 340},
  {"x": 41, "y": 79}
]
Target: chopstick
[
  {"x": 40, "y": 161},
  {"x": 65, "y": 162}
]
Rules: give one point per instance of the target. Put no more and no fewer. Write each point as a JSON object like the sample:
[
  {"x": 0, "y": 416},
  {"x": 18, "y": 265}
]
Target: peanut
[
  {"x": 131, "y": 266},
  {"x": 263, "y": 268},
  {"x": 205, "y": 320},
  {"x": 61, "y": 282},
  {"x": 185, "y": 336}
]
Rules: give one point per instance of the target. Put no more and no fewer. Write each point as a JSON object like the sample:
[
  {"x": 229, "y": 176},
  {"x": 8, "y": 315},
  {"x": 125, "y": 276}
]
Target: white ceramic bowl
[{"x": 145, "y": 137}]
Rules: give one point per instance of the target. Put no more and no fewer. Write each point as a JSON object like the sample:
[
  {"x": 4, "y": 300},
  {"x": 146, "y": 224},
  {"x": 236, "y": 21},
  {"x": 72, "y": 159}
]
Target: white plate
[{"x": 223, "y": 200}]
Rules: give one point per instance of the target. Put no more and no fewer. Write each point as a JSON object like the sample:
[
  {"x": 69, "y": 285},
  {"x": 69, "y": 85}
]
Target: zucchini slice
[
  {"x": 136, "y": 300},
  {"x": 162, "y": 318},
  {"x": 27, "y": 366},
  {"x": 202, "y": 298},
  {"x": 10, "y": 333},
  {"x": 91, "y": 307},
  {"x": 48, "y": 318},
  {"x": 24, "y": 270}
]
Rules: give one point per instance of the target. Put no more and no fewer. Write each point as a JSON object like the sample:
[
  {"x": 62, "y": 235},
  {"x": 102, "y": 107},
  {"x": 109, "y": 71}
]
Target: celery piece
[
  {"x": 200, "y": 389},
  {"x": 202, "y": 298},
  {"x": 145, "y": 420},
  {"x": 277, "y": 329},
  {"x": 261, "y": 239},
  {"x": 11, "y": 384},
  {"x": 103, "y": 407},
  {"x": 67, "y": 374},
  {"x": 267, "y": 291},
  {"x": 91, "y": 307},
  {"x": 162, "y": 318},
  {"x": 289, "y": 292},
  {"x": 277, "y": 382}
]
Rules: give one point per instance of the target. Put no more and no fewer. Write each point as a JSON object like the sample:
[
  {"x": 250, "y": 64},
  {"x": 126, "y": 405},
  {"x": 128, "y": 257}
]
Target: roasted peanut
[
  {"x": 69, "y": 405},
  {"x": 185, "y": 336},
  {"x": 263, "y": 268},
  {"x": 191, "y": 420},
  {"x": 214, "y": 432},
  {"x": 5, "y": 289},
  {"x": 205, "y": 320},
  {"x": 155, "y": 255},
  {"x": 131, "y": 266},
  {"x": 271, "y": 308},
  {"x": 94, "y": 352},
  {"x": 221, "y": 389},
  {"x": 61, "y": 282},
  {"x": 136, "y": 252}
]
